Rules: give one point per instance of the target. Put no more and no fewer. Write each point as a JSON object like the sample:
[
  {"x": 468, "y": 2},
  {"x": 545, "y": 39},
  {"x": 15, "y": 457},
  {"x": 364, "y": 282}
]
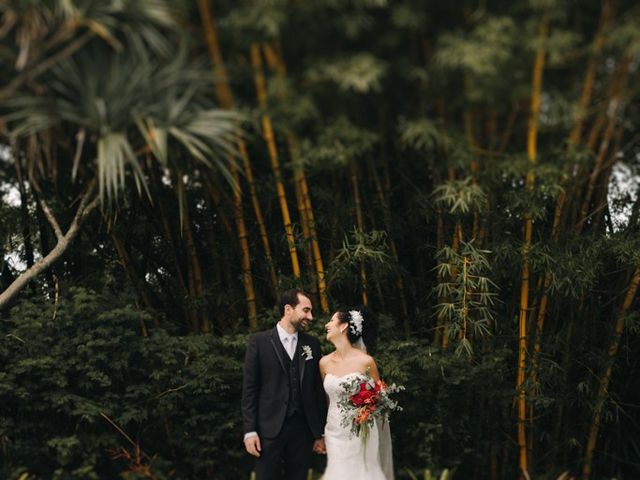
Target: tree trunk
[
  {"x": 88, "y": 203},
  {"x": 24, "y": 208}
]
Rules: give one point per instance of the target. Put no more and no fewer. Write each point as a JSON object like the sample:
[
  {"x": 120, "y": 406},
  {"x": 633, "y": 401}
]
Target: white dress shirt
[{"x": 288, "y": 340}]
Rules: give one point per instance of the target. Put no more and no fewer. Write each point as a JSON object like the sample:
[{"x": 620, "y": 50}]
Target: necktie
[{"x": 290, "y": 344}]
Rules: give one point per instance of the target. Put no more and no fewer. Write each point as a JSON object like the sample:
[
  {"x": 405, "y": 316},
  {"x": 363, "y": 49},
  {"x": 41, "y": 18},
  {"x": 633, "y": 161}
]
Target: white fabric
[
  {"x": 359, "y": 344},
  {"x": 385, "y": 449},
  {"x": 384, "y": 433},
  {"x": 290, "y": 346},
  {"x": 347, "y": 459},
  {"x": 288, "y": 340}
]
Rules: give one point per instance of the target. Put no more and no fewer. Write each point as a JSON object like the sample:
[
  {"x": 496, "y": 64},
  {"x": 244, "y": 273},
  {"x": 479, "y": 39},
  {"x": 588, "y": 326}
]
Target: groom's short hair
[{"x": 290, "y": 297}]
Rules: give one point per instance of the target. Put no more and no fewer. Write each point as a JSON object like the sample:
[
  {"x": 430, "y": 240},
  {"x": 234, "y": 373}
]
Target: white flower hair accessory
[
  {"x": 306, "y": 352},
  {"x": 355, "y": 324}
]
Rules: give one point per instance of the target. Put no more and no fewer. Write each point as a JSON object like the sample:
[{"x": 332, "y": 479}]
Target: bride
[{"x": 347, "y": 458}]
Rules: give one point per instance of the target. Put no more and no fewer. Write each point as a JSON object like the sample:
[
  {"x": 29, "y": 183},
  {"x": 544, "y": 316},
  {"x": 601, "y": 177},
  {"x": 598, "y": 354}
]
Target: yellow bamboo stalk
[
  {"x": 590, "y": 75},
  {"x": 257, "y": 210},
  {"x": 605, "y": 378},
  {"x": 247, "y": 277},
  {"x": 269, "y": 137},
  {"x": 532, "y": 142},
  {"x": 614, "y": 106},
  {"x": 302, "y": 210},
  {"x": 575, "y": 137},
  {"x": 276, "y": 63},
  {"x": 307, "y": 212},
  {"x": 220, "y": 78},
  {"x": 225, "y": 97}
]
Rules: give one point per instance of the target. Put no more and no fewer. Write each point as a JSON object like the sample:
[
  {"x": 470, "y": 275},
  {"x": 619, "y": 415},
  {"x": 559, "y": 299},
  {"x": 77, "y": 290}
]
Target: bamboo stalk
[
  {"x": 589, "y": 79},
  {"x": 307, "y": 213},
  {"x": 615, "y": 105},
  {"x": 532, "y": 138},
  {"x": 360, "y": 225},
  {"x": 257, "y": 210},
  {"x": 127, "y": 264},
  {"x": 605, "y": 377},
  {"x": 190, "y": 313},
  {"x": 605, "y": 179},
  {"x": 247, "y": 277},
  {"x": 197, "y": 286},
  {"x": 276, "y": 63},
  {"x": 315, "y": 245},
  {"x": 458, "y": 237},
  {"x": 225, "y": 97},
  {"x": 386, "y": 215},
  {"x": 269, "y": 138},
  {"x": 575, "y": 137}
]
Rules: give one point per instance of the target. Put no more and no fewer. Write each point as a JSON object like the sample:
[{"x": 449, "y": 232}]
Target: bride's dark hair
[{"x": 369, "y": 326}]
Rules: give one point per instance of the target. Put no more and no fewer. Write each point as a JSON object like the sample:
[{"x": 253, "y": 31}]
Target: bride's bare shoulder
[
  {"x": 368, "y": 364},
  {"x": 326, "y": 359}
]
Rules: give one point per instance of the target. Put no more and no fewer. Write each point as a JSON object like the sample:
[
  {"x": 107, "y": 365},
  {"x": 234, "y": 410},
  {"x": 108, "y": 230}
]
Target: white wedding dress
[{"x": 347, "y": 458}]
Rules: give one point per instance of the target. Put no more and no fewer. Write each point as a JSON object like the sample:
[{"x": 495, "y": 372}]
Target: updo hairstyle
[{"x": 361, "y": 323}]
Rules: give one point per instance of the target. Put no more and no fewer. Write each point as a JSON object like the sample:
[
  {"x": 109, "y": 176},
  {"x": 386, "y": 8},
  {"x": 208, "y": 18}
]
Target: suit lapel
[
  {"x": 302, "y": 361},
  {"x": 276, "y": 347}
]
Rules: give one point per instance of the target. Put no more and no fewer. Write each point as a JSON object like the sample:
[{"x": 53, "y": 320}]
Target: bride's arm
[
  {"x": 323, "y": 367},
  {"x": 323, "y": 373},
  {"x": 373, "y": 369}
]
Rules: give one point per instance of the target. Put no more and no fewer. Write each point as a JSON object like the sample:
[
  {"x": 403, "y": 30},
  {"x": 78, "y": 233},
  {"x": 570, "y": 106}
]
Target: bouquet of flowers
[{"x": 365, "y": 400}]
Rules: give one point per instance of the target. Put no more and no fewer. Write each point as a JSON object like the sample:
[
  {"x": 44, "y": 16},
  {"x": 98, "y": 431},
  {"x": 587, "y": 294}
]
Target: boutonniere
[{"x": 306, "y": 352}]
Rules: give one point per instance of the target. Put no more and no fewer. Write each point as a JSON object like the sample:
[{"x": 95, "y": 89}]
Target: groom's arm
[
  {"x": 250, "y": 387},
  {"x": 320, "y": 394}
]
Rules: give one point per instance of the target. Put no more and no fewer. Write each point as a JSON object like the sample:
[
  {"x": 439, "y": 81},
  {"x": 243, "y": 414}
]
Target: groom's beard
[{"x": 302, "y": 324}]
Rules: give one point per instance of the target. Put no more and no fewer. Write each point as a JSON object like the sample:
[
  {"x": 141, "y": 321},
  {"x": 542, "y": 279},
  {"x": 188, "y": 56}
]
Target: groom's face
[{"x": 300, "y": 316}]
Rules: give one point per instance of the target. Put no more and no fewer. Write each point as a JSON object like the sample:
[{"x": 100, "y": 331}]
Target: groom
[{"x": 283, "y": 403}]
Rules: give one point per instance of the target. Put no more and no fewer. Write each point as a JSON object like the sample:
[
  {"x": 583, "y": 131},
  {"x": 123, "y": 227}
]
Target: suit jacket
[{"x": 265, "y": 386}]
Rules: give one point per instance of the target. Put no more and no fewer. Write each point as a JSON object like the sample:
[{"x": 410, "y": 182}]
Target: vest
[{"x": 294, "y": 403}]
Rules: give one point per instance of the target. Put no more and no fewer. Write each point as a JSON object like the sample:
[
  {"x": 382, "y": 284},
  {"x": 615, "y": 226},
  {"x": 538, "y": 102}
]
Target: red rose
[{"x": 363, "y": 397}]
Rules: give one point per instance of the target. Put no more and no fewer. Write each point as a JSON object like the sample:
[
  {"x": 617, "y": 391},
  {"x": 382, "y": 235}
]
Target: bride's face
[{"x": 334, "y": 328}]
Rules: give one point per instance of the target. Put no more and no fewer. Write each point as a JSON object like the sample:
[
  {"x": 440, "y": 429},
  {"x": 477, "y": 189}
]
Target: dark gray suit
[{"x": 286, "y": 419}]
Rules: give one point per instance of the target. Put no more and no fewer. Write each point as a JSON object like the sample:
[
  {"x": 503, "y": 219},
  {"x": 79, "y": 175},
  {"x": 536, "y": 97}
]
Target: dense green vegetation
[{"x": 467, "y": 169}]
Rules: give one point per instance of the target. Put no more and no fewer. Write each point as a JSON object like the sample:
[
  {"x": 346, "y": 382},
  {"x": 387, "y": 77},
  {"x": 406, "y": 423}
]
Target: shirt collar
[{"x": 282, "y": 333}]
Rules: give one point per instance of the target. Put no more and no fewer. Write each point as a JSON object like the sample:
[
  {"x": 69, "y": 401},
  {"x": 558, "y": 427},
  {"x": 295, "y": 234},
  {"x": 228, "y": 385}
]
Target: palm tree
[{"x": 119, "y": 104}]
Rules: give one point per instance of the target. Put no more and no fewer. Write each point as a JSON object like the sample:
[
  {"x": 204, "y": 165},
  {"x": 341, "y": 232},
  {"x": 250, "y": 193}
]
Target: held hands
[
  {"x": 252, "y": 444},
  {"x": 319, "y": 446}
]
